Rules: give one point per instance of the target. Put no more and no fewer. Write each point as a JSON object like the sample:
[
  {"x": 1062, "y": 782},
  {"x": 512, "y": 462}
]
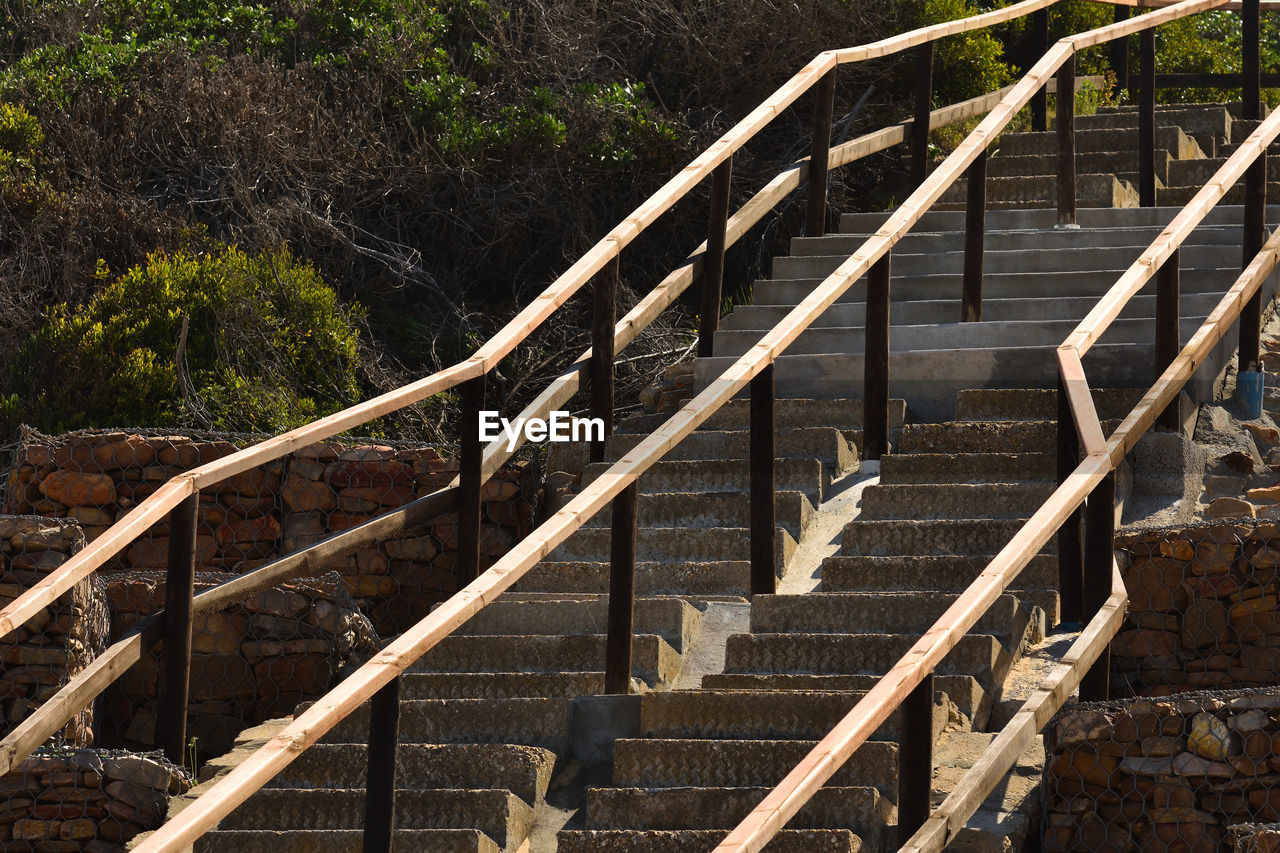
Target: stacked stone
[
  {"x": 1202, "y": 608},
  {"x": 41, "y": 655},
  {"x": 249, "y": 663},
  {"x": 1162, "y": 775},
  {"x": 1255, "y": 838},
  {"x": 84, "y": 801}
]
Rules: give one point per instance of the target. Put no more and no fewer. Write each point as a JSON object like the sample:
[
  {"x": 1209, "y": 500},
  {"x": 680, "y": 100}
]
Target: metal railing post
[
  {"x": 815, "y": 218},
  {"x": 1168, "y": 329},
  {"x": 179, "y": 587},
  {"x": 975, "y": 229},
  {"x": 1100, "y": 528},
  {"x": 380, "y": 776},
  {"x": 713, "y": 263},
  {"x": 604, "y": 317},
  {"x": 1120, "y": 54},
  {"x": 1070, "y": 555},
  {"x": 1147, "y": 121},
  {"x": 764, "y": 580},
  {"x": 622, "y": 591},
  {"x": 471, "y": 462},
  {"x": 915, "y": 759},
  {"x": 1040, "y": 45},
  {"x": 1066, "y": 121},
  {"x": 923, "y": 106},
  {"x": 875, "y": 367},
  {"x": 1255, "y": 189}
]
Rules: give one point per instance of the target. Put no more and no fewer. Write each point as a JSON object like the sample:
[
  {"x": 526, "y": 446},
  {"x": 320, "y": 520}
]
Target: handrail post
[
  {"x": 1168, "y": 329},
  {"x": 1120, "y": 54},
  {"x": 713, "y": 262},
  {"x": 471, "y": 452},
  {"x": 1066, "y": 121},
  {"x": 764, "y": 579},
  {"x": 815, "y": 219},
  {"x": 380, "y": 776},
  {"x": 1255, "y": 189},
  {"x": 923, "y": 106},
  {"x": 1100, "y": 528},
  {"x": 875, "y": 365},
  {"x": 975, "y": 228},
  {"x": 915, "y": 759},
  {"x": 1040, "y": 45},
  {"x": 604, "y": 317},
  {"x": 179, "y": 587},
  {"x": 1147, "y": 121},
  {"x": 622, "y": 591},
  {"x": 1070, "y": 556}
]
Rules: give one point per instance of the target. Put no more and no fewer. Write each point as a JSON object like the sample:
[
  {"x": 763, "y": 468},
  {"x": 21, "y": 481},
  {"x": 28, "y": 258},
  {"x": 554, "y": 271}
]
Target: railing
[{"x": 378, "y": 679}]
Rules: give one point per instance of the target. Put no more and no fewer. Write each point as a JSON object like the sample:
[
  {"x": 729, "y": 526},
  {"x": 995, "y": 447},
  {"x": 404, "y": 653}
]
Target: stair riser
[
  {"x": 728, "y": 577},
  {"x": 685, "y": 841},
  {"x": 1197, "y": 173},
  {"x": 342, "y": 841},
  {"x": 818, "y": 613},
  {"x": 826, "y": 444},
  {"x": 726, "y": 475},
  {"x": 978, "y": 655},
  {"x": 938, "y": 220},
  {"x": 1039, "y": 405},
  {"x": 1172, "y": 139},
  {"x": 949, "y": 573},
  {"x": 1091, "y": 191},
  {"x": 503, "y": 685},
  {"x": 653, "y": 659},
  {"x": 1008, "y": 166},
  {"x": 793, "y": 511},
  {"x": 925, "y": 468},
  {"x": 673, "y": 620},
  {"x": 966, "y": 500},
  {"x": 979, "y": 437},
  {"x": 672, "y": 545},
  {"x": 531, "y": 722},
  {"x": 942, "y": 537}
]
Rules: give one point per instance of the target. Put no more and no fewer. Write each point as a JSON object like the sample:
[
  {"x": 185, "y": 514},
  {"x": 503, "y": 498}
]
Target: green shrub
[{"x": 267, "y": 347}]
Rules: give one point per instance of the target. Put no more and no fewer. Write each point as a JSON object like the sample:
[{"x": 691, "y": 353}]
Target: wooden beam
[{"x": 1088, "y": 427}]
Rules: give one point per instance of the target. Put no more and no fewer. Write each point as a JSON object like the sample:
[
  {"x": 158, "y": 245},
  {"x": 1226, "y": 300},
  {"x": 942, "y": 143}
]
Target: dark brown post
[
  {"x": 622, "y": 591},
  {"x": 1039, "y": 45},
  {"x": 380, "y": 779},
  {"x": 1168, "y": 329},
  {"x": 603, "y": 318},
  {"x": 875, "y": 365},
  {"x": 472, "y": 458},
  {"x": 764, "y": 580},
  {"x": 975, "y": 230},
  {"x": 1255, "y": 189},
  {"x": 1070, "y": 556},
  {"x": 815, "y": 218},
  {"x": 179, "y": 587},
  {"x": 915, "y": 759},
  {"x": 1067, "y": 142},
  {"x": 713, "y": 263},
  {"x": 1147, "y": 121},
  {"x": 1120, "y": 53},
  {"x": 924, "y": 105},
  {"x": 1099, "y": 535}
]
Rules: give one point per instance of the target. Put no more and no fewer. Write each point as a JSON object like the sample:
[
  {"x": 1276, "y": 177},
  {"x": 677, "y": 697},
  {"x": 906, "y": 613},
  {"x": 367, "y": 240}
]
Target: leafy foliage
[{"x": 227, "y": 341}]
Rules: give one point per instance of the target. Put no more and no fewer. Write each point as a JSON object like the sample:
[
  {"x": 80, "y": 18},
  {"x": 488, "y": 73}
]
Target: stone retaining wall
[
  {"x": 84, "y": 801},
  {"x": 1162, "y": 775},
  {"x": 94, "y": 477},
  {"x": 1202, "y": 608},
  {"x": 39, "y": 657}
]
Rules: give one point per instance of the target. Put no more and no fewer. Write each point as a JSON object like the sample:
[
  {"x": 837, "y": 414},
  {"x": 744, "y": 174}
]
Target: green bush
[
  {"x": 267, "y": 347},
  {"x": 965, "y": 65}
]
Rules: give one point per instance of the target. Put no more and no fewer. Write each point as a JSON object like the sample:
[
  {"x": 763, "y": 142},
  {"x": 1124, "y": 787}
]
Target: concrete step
[
  {"x": 963, "y": 691},
  {"x": 1180, "y": 196},
  {"x": 703, "y": 763},
  {"x": 673, "y": 619},
  {"x": 1092, "y": 190},
  {"x": 939, "y": 537},
  {"x": 923, "y": 468},
  {"x": 942, "y": 573},
  {"x": 979, "y": 655},
  {"x": 980, "y": 437},
  {"x": 808, "y": 475},
  {"x": 1045, "y": 217},
  {"x": 925, "y": 312},
  {"x": 523, "y": 770},
  {"x": 341, "y": 841},
  {"x": 672, "y": 545},
  {"x": 1074, "y": 258},
  {"x": 826, "y": 443},
  {"x": 861, "y": 810},
  {"x": 793, "y": 510},
  {"x": 1038, "y": 404},
  {"x": 1100, "y": 140},
  {"x": 701, "y": 841},
  {"x": 1197, "y": 173},
  {"x": 953, "y": 335},
  {"x": 653, "y": 659},
  {"x": 500, "y": 685},
  {"x": 539, "y": 722},
  {"x": 1199, "y": 120},
  {"x": 871, "y": 613},
  {"x": 953, "y": 500},
  {"x": 1025, "y": 165},
  {"x": 791, "y": 413},
  {"x": 692, "y": 578},
  {"x": 947, "y": 285},
  {"x": 501, "y": 815}
]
